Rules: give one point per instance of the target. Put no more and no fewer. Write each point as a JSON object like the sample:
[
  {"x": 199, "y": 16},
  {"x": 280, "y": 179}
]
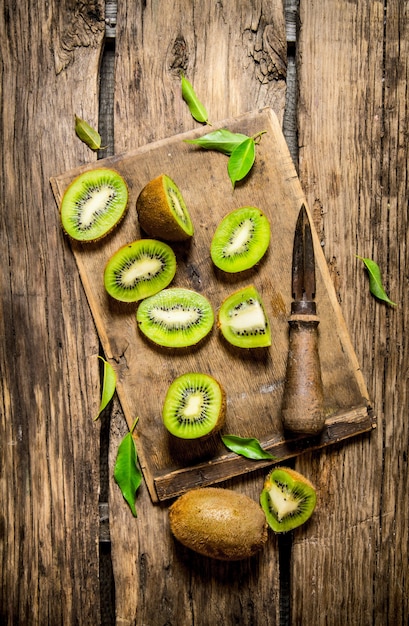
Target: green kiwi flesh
[
  {"x": 240, "y": 240},
  {"x": 93, "y": 204},
  {"x": 242, "y": 319},
  {"x": 139, "y": 270},
  {"x": 175, "y": 317},
  {"x": 218, "y": 523},
  {"x": 194, "y": 406},
  {"x": 162, "y": 211},
  {"x": 288, "y": 499}
]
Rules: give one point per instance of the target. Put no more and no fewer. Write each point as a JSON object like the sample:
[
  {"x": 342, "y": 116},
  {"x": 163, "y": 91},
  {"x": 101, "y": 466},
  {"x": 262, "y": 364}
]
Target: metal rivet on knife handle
[{"x": 303, "y": 400}]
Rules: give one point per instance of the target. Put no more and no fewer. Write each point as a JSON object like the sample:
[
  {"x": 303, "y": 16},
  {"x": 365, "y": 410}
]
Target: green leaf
[
  {"x": 250, "y": 448},
  {"x": 222, "y": 140},
  {"x": 375, "y": 281},
  {"x": 241, "y": 160},
  {"x": 87, "y": 134},
  {"x": 196, "y": 108},
  {"x": 108, "y": 386},
  {"x": 126, "y": 471}
]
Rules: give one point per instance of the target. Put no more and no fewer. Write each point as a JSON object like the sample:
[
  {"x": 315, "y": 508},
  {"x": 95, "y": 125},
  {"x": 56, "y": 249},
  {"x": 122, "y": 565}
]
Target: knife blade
[{"x": 303, "y": 399}]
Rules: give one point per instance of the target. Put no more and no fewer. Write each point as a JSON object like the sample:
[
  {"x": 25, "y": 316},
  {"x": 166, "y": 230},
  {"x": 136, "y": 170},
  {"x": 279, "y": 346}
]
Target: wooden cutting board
[{"x": 253, "y": 380}]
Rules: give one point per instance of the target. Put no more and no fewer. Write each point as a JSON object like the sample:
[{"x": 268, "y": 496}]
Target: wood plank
[
  {"x": 253, "y": 380},
  {"x": 353, "y": 75},
  {"x": 226, "y": 48},
  {"x": 338, "y": 428},
  {"x": 49, "y": 451}
]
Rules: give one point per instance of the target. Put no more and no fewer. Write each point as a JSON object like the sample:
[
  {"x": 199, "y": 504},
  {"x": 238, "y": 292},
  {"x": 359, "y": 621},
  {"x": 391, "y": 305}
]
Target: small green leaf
[
  {"x": 250, "y": 448},
  {"x": 375, "y": 281},
  {"x": 222, "y": 140},
  {"x": 108, "y": 386},
  {"x": 87, "y": 134},
  {"x": 241, "y": 160},
  {"x": 126, "y": 471},
  {"x": 196, "y": 108}
]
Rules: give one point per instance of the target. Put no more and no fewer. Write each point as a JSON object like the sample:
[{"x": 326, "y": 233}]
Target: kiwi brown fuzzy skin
[
  {"x": 155, "y": 215},
  {"x": 73, "y": 189},
  {"x": 218, "y": 523}
]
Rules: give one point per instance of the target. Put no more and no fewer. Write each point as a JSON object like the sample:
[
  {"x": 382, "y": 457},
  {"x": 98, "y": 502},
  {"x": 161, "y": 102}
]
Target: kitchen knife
[{"x": 302, "y": 408}]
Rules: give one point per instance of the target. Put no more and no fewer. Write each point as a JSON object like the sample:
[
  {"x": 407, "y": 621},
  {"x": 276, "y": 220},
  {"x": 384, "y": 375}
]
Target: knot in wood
[
  {"x": 179, "y": 55},
  {"x": 269, "y": 54}
]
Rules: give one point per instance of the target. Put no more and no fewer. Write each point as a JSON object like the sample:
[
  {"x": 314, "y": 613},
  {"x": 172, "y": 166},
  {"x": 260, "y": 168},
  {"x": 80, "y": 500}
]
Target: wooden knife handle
[{"x": 302, "y": 409}]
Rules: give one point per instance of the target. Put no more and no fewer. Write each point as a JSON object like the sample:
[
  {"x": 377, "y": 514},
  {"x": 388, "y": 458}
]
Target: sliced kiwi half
[
  {"x": 175, "y": 317},
  {"x": 194, "y": 406},
  {"x": 139, "y": 270},
  {"x": 288, "y": 499},
  {"x": 93, "y": 204},
  {"x": 162, "y": 211},
  {"x": 243, "y": 321},
  {"x": 240, "y": 240}
]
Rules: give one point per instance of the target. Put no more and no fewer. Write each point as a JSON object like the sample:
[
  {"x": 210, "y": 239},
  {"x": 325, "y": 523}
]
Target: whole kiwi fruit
[
  {"x": 218, "y": 523},
  {"x": 93, "y": 204},
  {"x": 162, "y": 211}
]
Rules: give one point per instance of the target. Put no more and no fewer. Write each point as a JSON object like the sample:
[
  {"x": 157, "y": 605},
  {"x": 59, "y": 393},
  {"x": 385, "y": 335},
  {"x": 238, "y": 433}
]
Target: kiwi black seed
[
  {"x": 162, "y": 211},
  {"x": 175, "y": 317},
  {"x": 240, "y": 240},
  {"x": 139, "y": 270},
  {"x": 288, "y": 499},
  {"x": 218, "y": 523},
  {"x": 194, "y": 406},
  {"x": 243, "y": 321},
  {"x": 93, "y": 204}
]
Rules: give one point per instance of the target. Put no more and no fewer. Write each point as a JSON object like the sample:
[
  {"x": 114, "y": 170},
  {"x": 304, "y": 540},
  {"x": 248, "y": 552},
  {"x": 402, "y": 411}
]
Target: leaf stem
[
  {"x": 257, "y": 137},
  {"x": 134, "y": 425}
]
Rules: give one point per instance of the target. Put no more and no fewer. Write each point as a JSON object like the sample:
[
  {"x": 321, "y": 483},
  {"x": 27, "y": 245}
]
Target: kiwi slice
[
  {"x": 243, "y": 321},
  {"x": 162, "y": 211},
  {"x": 194, "y": 407},
  {"x": 93, "y": 204},
  {"x": 175, "y": 317},
  {"x": 240, "y": 240},
  {"x": 288, "y": 499},
  {"x": 139, "y": 270}
]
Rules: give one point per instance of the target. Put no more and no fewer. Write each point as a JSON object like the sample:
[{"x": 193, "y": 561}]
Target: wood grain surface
[
  {"x": 353, "y": 113},
  {"x": 349, "y": 564},
  {"x": 49, "y": 446}
]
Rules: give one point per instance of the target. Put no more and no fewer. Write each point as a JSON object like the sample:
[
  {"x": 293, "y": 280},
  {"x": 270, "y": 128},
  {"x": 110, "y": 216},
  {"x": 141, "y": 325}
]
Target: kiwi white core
[
  {"x": 250, "y": 318},
  {"x": 283, "y": 501},
  {"x": 92, "y": 206},
  {"x": 178, "y": 317},
  {"x": 143, "y": 268},
  {"x": 239, "y": 242},
  {"x": 176, "y": 205},
  {"x": 193, "y": 406}
]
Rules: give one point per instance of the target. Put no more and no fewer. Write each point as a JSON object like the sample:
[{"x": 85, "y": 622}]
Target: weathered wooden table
[{"x": 337, "y": 78}]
